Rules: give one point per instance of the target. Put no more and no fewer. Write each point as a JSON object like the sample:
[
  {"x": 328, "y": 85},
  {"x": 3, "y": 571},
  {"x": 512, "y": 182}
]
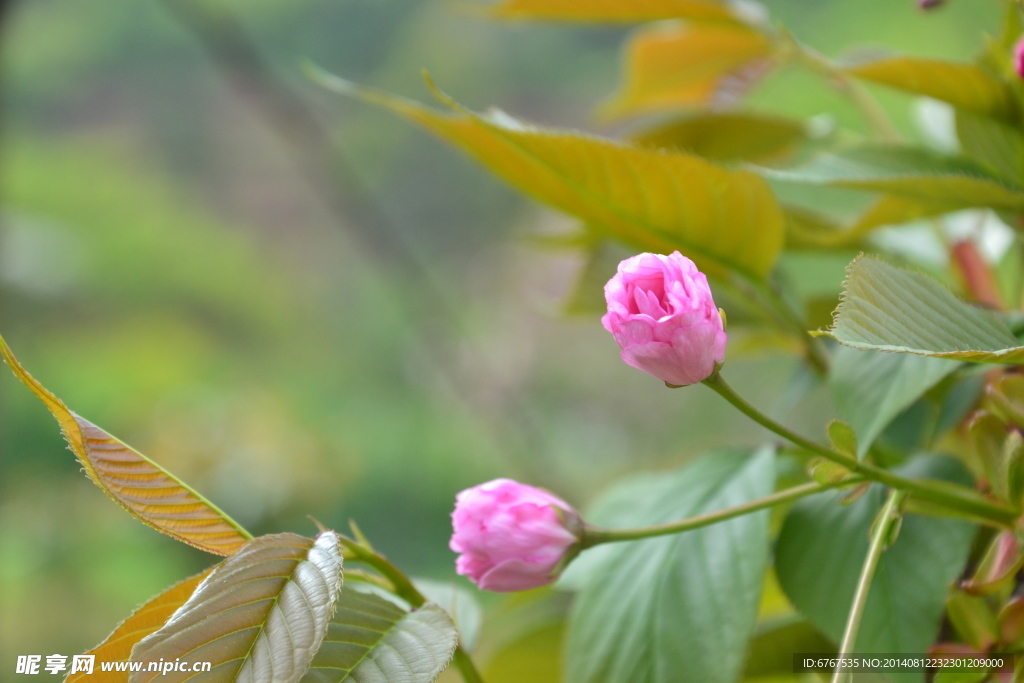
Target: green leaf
[
  {"x": 616, "y": 11},
  {"x": 145, "y": 620},
  {"x": 147, "y": 491},
  {"x": 998, "y": 145},
  {"x": 885, "y": 308},
  {"x": 670, "y": 66},
  {"x": 259, "y": 617},
  {"x": 872, "y": 388},
  {"x": 822, "y": 546},
  {"x": 642, "y": 601},
  {"x": 811, "y": 230},
  {"x": 652, "y": 200},
  {"x": 372, "y": 640},
  {"x": 772, "y": 647},
  {"x": 460, "y": 604},
  {"x": 726, "y": 136},
  {"x": 927, "y": 176},
  {"x": 842, "y": 437},
  {"x": 963, "y": 85}
]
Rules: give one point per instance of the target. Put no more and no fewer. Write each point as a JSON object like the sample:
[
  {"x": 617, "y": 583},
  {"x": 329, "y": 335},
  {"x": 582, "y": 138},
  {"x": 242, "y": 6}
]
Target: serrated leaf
[
  {"x": 652, "y": 200},
  {"x": 872, "y": 388},
  {"x": 951, "y": 182},
  {"x": 685, "y": 65},
  {"x": 616, "y": 11},
  {"x": 640, "y": 600},
  {"x": 372, "y": 640},
  {"x": 821, "y": 549},
  {"x": 259, "y": 617},
  {"x": 963, "y": 85},
  {"x": 726, "y": 136},
  {"x": 147, "y": 491},
  {"x": 145, "y": 620},
  {"x": 885, "y": 308}
]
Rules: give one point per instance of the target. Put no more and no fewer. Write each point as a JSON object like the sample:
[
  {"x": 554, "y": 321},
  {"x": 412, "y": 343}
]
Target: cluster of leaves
[
  {"x": 709, "y": 180},
  {"x": 274, "y": 610}
]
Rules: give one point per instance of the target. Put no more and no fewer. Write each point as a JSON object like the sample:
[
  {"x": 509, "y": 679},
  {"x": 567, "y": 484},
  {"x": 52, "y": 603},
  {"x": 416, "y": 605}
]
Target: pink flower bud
[
  {"x": 929, "y": 4},
  {"x": 512, "y": 537},
  {"x": 662, "y": 316},
  {"x": 1018, "y": 57}
]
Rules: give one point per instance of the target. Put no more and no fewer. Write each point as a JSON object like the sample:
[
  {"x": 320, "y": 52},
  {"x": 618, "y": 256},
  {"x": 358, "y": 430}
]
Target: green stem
[
  {"x": 880, "y": 539},
  {"x": 950, "y": 496},
  {"x": 405, "y": 589},
  {"x": 465, "y": 665},
  {"x": 595, "y": 535}
]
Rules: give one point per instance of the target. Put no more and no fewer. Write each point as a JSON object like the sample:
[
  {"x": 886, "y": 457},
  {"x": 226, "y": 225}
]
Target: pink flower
[
  {"x": 512, "y": 537},
  {"x": 662, "y": 316},
  {"x": 1018, "y": 57}
]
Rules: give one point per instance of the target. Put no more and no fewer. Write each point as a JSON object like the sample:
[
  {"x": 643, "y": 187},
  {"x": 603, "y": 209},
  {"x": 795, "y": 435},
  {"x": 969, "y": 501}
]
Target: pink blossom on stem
[
  {"x": 663, "y": 317},
  {"x": 511, "y": 536}
]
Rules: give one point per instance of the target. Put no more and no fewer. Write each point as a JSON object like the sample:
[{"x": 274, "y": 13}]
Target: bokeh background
[{"x": 302, "y": 306}]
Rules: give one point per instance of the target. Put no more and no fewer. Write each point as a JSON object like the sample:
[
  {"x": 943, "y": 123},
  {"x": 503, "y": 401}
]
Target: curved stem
[
  {"x": 880, "y": 539},
  {"x": 596, "y": 535},
  {"x": 405, "y": 589},
  {"x": 950, "y": 496}
]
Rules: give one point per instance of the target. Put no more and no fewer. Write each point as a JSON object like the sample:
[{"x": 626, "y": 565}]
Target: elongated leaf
[
  {"x": 149, "y": 492},
  {"x": 885, "y": 308},
  {"x": 616, "y": 11},
  {"x": 872, "y": 388},
  {"x": 951, "y": 182},
  {"x": 259, "y": 617},
  {"x": 821, "y": 549},
  {"x": 811, "y": 230},
  {"x": 993, "y": 142},
  {"x": 726, "y": 136},
  {"x": 686, "y": 65},
  {"x": 145, "y": 620},
  {"x": 651, "y": 200},
  {"x": 372, "y": 640},
  {"x": 642, "y": 601},
  {"x": 962, "y": 85}
]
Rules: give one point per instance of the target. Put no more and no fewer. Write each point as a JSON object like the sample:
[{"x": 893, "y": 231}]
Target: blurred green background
[{"x": 348, "y": 331}]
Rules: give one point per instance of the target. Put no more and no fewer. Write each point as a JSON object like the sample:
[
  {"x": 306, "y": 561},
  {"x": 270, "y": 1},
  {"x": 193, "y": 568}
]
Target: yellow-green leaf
[
  {"x": 688, "y": 65},
  {"x": 807, "y": 229},
  {"x": 616, "y": 11},
  {"x": 960, "y": 84},
  {"x": 726, "y": 136},
  {"x": 649, "y": 199},
  {"x": 259, "y": 617},
  {"x": 885, "y": 308},
  {"x": 147, "y": 491},
  {"x": 949, "y": 182},
  {"x": 145, "y": 620}
]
